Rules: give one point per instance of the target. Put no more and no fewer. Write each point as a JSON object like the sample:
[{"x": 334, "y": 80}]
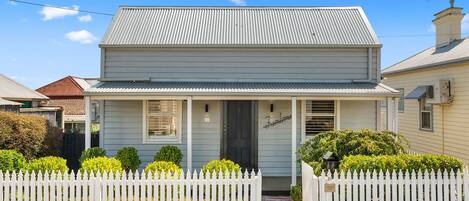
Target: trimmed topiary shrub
[
  {"x": 296, "y": 193},
  {"x": 216, "y": 166},
  {"x": 101, "y": 164},
  {"x": 92, "y": 153},
  {"x": 11, "y": 160},
  {"x": 24, "y": 134},
  {"x": 169, "y": 153},
  {"x": 128, "y": 156},
  {"x": 404, "y": 162},
  {"x": 351, "y": 142},
  {"x": 163, "y": 166},
  {"x": 47, "y": 164}
]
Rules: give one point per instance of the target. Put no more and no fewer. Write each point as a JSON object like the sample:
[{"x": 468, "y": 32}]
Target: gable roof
[
  {"x": 12, "y": 90},
  {"x": 67, "y": 86},
  {"x": 457, "y": 51},
  {"x": 240, "y": 27}
]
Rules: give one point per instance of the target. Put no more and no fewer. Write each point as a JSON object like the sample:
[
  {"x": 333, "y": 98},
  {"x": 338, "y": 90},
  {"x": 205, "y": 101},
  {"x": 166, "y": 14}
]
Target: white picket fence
[
  {"x": 131, "y": 187},
  {"x": 385, "y": 186}
]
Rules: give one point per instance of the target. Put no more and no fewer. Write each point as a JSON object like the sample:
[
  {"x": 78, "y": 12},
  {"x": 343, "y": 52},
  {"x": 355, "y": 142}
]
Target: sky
[{"x": 39, "y": 45}]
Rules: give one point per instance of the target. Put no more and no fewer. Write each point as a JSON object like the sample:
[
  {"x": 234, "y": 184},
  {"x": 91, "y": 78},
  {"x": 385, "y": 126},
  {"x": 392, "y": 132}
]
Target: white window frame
[
  {"x": 304, "y": 114},
  {"x": 422, "y": 103},
  {"x": 162, "y": 139}
]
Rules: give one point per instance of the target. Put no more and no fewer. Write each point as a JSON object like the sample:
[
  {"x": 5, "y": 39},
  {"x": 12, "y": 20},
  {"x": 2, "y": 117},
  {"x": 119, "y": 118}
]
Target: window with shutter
[
  {"x": 163, "y": 121},
  {"x": 319, "y": 117}
]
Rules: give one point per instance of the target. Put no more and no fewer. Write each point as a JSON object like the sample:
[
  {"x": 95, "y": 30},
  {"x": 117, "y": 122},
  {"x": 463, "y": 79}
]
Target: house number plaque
[{"x": 329, "y": 187}]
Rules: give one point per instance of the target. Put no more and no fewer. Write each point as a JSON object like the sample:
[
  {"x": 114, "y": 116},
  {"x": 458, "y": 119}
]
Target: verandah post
[
  {"x": 87, "y": 122},
  {"x": 293, "y": 141},
  {"x": 189, "y": 132}
]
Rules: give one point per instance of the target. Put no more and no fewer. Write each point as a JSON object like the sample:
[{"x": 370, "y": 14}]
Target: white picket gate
[
  {"x": 385, "y": 186},
  {"x": 131, "y": 187}
]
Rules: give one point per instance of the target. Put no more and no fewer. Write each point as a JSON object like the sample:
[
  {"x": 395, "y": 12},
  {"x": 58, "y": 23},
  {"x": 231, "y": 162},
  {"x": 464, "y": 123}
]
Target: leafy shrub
[
  {"x": 403, "y": 162},
  {"x": 11, "y": 160},
  {"x": 101, "y": 164},
  {"x": 163, "y": 166},
  {"x": 24, "y": 134},
  {"x": 53, "y": 142},
  {"x": 351, "y": 142},
  {"x": 128, "y": 156},
  {"x": 49, "y": 164},
  {"x": 92, "y": 153},
  {"x": 216, "y": 166},
  {"x": 296, "y": 193},
  {"x": 169, "y": 153}
]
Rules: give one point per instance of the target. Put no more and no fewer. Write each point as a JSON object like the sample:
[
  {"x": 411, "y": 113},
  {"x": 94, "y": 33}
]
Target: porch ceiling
[{"x": 257, "y": 89}]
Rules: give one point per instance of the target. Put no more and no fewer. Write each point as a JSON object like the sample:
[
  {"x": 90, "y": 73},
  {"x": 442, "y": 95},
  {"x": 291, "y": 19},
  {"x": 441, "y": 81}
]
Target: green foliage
[
  {"x": 101, "y": 164},
  {"x": 402, "y": 162},
  {"x": 169, "y": 153},
  {"x": 216, "y": 166},
  {"x": 296, "y": 193},
  {"x": 11, "y": 160},
  {"x": 351, "y": 142},
  {"x": 92, "y": 153},
  {"x": 22, "y": 133},
  {"x": 163, "y": 166},
  {"x": 47, "y": 164},
  {"x": 128, "y": 156}
]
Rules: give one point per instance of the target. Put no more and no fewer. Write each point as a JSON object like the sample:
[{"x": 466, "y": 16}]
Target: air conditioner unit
[{"x": 443, "y": 92}]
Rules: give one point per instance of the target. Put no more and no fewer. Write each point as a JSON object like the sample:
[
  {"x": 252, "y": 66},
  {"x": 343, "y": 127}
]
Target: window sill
[
  {"x": 162, "y": 141},
  {"x": 426, "y": 130}
]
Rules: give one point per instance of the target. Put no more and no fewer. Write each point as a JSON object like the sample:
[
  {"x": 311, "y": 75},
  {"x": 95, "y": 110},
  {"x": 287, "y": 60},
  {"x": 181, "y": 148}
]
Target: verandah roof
[{"x": 241, "y": 89}]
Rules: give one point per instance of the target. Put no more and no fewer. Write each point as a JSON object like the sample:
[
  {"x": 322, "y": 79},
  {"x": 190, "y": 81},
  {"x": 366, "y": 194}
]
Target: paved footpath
[{"x": 275, "y": 198}]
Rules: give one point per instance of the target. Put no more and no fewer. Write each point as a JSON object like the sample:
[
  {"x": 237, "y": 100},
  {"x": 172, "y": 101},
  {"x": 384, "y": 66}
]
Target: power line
[{"x": 59, "y": 7}]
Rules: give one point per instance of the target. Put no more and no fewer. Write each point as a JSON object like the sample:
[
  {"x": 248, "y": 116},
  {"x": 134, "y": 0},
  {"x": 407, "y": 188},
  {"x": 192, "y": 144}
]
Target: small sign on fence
[{"x": 329, "y": 187}]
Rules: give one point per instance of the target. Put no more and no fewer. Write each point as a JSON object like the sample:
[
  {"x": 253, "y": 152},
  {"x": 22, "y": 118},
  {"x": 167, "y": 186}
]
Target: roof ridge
[{"x": 239, "y": 7}]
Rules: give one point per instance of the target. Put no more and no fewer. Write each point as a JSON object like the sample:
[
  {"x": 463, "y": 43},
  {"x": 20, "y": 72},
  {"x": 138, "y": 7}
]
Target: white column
[
  {"x": 396, "y": 114},
  {"x": 189, "y": 133},
  {"x": 293, "y": 141},
  {"x": 389, "y": 115},
  {"x": 87, "y": 122},
  {"x": 337, "y": 115}
]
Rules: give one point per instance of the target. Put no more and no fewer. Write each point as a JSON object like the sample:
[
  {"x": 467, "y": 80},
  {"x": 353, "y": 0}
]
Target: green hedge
[
  {"x": 92, "y": 153},
  {"x": 225, "y": 166},
  {"x": 351, "y": 142},
  {"x": 169, "y": 153},
  {"x": 128, "y": 156},
  {"x": 296, "y": 193},
  {"x": 163, "y": 166},
  {"x": 101, "y": 164},
  {"x": 11, "y": 160},
  {"x": 403, "y": 162},
  {"x": 24, "y": 134},
  {"x": 47, "y": 164}
]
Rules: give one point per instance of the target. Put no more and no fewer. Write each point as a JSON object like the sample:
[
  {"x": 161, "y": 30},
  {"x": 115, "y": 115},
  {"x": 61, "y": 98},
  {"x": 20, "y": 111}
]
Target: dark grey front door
[{"x": 240, "y": 136}]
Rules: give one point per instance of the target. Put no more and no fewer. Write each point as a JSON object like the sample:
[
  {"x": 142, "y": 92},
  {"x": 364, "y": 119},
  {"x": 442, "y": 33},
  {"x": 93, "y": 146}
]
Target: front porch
[{"x": 279, "y": 122}]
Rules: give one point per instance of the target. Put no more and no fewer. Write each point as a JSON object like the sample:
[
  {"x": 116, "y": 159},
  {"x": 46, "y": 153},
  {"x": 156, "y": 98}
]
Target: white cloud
[
  {"x": 12, "y": 3},
  {"x": 83, "y": 36},
  {"x": 85, "y": 18},
  {"x": 49, "y": 13},
  {"x": 239, "y": 2}
]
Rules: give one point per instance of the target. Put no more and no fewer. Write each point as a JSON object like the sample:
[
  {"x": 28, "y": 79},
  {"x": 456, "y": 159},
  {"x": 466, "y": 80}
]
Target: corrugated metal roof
[
  {"x": 85, "y": 83},
  {"x": 240, "y": 26},
  {"x": 12, "y": 90},
  {"x": 240, "y": 88},
  {"x": 457, "y": 51},
  {"x": 7, "y": 102}
]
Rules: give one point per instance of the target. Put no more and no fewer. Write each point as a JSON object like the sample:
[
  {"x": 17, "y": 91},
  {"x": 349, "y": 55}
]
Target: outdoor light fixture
[
  {"x": 331, "y": 160},
  {"x": 271, "y": 107}
]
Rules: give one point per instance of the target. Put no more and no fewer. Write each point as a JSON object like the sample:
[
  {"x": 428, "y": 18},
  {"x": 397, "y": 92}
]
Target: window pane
[
  {"x": 401, "y": 100},
  {"x": 162, "y": 118},
  {"x": 326, "y": 107},
  {"x": 426, "y": 120},
  {"x": 317, "y": 124}
]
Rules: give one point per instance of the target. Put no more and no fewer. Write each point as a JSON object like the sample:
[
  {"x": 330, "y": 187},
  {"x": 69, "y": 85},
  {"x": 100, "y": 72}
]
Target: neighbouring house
[
  {"x": 434, "y": 87},
  {"x": 67, "y": 93},
  {"x": 242, "y": 83},
  {"x": 15, "y": 97}
]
